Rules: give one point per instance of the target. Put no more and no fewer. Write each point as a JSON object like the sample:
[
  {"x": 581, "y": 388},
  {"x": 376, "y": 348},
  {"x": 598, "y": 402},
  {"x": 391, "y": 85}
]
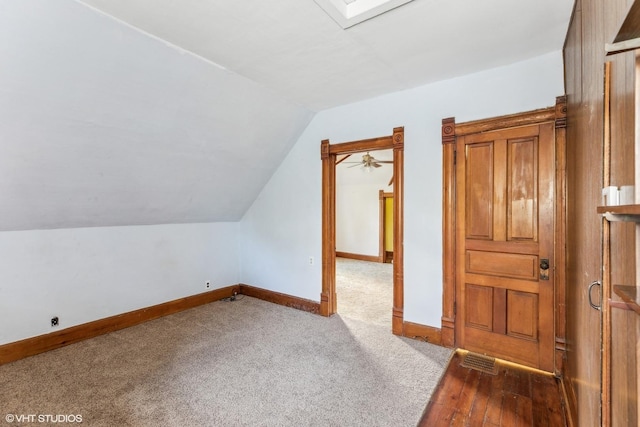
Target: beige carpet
[
  {"x": 365, "y": 290},
  {"x": 242, "y": 363}
]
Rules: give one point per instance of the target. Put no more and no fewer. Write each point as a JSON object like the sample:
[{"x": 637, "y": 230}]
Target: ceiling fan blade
[
  {"x": 390, "y": 181},
  {"x": 384, "y": 161},
  {"x": 353, "y": 166},
  {"x": 376, "y": 165}
]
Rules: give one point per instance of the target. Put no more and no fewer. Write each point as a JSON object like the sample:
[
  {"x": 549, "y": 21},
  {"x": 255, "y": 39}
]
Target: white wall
[
  {"x": 85, "y": 274},
  {"x": 282, "y": 229},
  {"x": 358, "y": 205}
]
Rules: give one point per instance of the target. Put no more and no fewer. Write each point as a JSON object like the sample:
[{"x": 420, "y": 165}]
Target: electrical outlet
[
  {"x": 55, "y": 321},
  {"x": 208, "y": 284},
  {"x": 310, "y": 260}
]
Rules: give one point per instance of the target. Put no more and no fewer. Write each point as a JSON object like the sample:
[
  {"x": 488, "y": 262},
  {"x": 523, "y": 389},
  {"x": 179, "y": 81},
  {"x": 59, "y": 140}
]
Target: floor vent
[{"x": 480, "y": 363}]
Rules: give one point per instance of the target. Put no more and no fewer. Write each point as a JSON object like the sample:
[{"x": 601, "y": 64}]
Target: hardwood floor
[{"x": 513, "y": 396}]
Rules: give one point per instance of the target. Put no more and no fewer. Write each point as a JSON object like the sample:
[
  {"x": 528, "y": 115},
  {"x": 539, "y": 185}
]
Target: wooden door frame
[
  {"x": 450, "y": 131},
  {"x": 328, "y": 154}
]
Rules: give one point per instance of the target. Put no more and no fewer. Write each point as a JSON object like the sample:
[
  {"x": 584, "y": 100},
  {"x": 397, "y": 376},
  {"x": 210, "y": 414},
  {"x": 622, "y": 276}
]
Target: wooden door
[{"x": 504, "y": 244}]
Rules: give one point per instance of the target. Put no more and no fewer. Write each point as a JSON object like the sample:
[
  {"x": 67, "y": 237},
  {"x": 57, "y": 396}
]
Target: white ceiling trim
[{"x": 348, "y": 13}]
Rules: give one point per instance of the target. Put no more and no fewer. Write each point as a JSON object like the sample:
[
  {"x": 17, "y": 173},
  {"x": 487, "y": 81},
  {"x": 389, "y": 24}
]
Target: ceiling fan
[{"x": 368, "y": 161}]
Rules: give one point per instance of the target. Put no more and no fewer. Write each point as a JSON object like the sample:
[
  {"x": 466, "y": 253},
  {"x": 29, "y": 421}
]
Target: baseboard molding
[
  {"x": 422, "y": 332},
  {"x": 448, "y": 332},
  {"x": 281, "y": 299},
  {"x": 31, "y": 346},
  {"x": 370, "y": 258}
]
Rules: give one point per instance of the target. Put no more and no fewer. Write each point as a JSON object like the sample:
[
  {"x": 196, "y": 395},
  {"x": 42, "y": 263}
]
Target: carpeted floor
[
  {"x": 242, "y": 363},
  {"x": 365, "y": 290}
]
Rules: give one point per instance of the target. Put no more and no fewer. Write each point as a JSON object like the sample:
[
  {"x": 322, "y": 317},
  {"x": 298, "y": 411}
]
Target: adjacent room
[{"x": 319, "y": 212}]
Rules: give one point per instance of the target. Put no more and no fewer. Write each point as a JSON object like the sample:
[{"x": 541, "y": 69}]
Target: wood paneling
[
  {"x": 598, "y": 250},
  {"x": 518, "y": 266},
  {"x": 479, "y": 314},
  {"x": 522, "y": 193},
  {"x": 522, "y": 315},
  {"x": 479, "y": 203}
]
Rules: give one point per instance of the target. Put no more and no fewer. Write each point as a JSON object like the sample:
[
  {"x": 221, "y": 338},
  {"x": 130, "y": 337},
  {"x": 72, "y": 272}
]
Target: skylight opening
[{"x": 348, "y": 13}]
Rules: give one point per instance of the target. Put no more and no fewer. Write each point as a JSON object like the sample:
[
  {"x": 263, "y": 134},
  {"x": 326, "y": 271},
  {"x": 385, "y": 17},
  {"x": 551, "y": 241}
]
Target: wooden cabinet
[
  {"x": 619, "y": 276},
  {"x": 602, "y": 351}
]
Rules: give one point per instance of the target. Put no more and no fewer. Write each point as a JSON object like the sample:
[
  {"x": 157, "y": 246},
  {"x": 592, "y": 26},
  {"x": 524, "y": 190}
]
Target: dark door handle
[
  {"x": 544, "y": 269},
  {"x": 544, "y": 264}
]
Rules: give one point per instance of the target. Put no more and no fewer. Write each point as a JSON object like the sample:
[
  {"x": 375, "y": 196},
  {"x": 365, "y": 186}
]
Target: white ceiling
[
  {"x": 125, "y": 112},
  {"x": 294, "y": 48}
]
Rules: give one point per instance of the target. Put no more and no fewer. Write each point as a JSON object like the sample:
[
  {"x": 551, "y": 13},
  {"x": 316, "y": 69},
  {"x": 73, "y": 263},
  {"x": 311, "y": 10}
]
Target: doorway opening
[
  {"x": 329, "y": 156},
  {"x": 364, "y": 236}
]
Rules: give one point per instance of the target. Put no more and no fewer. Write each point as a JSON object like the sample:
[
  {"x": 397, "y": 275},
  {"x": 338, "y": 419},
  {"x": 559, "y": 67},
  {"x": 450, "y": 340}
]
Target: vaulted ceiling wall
[{"x": 103, "y": 125}]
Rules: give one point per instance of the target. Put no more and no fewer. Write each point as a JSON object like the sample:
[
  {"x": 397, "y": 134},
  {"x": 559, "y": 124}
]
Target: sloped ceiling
[
  {"x": 295, "y": 48},
  {"x": 126, "y": 112}
]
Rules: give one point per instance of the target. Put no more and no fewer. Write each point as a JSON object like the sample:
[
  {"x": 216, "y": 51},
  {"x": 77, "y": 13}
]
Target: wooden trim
[
  {"x": 32, "y": 346},
  {"x": 398, "y": 231},
  {"x": 512, "y": 120},
  {"x": 343, "y": 159},
  {"x": 328, "y": 153},
  {"x": 422, "y": 332},
  {"x": 370, "y": 258},
  {"x": 560, "y": 225},
  {"x": 361, "y": 145},
  {"x": 280, "y": 298},
  {"x": 328, "y": 304},
  {"x": 606, "y": 256},
  {"x": 448, "y": 230}
]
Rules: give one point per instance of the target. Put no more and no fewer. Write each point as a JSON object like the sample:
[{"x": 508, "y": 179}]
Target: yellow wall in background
[{"x": 388, "y": 224}]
